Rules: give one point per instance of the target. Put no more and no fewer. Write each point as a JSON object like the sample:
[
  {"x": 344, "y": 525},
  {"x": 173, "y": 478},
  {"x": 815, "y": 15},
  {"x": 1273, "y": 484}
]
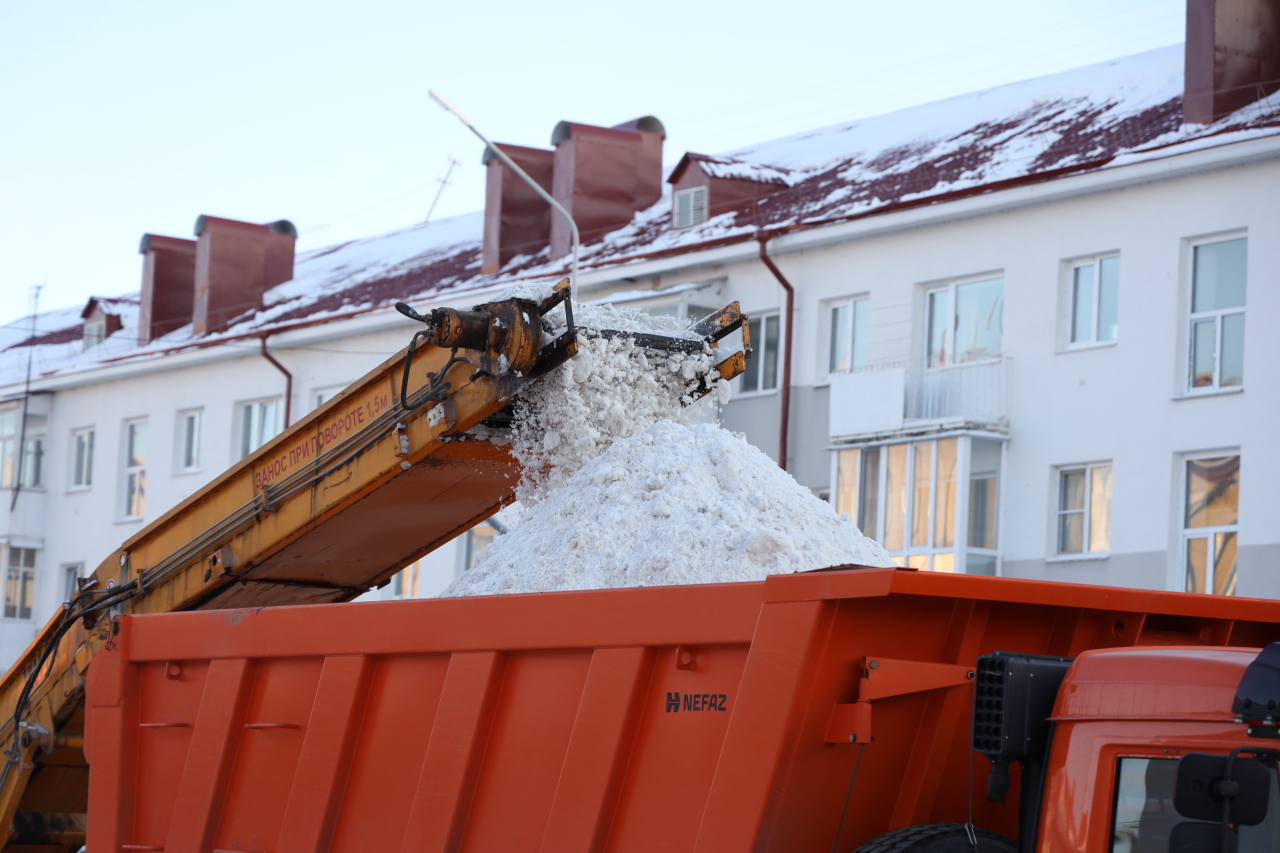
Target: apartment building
[{"x": 1023, "y": 332}]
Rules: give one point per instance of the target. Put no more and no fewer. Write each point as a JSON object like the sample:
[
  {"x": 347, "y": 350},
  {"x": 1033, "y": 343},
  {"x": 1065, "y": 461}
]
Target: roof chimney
[
  {"x": 236, "y": 262},
  {"x": 1232, "y": 56},
  {"x": 516, "y": 219},
  {"x": 168, "y": 285},
  {"x": 604, "y": 176}
]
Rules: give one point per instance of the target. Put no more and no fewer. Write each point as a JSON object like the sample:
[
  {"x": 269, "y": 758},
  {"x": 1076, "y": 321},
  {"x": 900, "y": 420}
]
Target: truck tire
[{"x": 937, "y": 838}]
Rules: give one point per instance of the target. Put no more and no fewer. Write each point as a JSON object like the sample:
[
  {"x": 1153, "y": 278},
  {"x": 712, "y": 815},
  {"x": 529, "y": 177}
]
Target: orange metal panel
[
  {"x": 762, "y": 725},
  {"x": 309, "y": 817},
  {"x": 214, "y": 738},
  {"x": 526, "y": 750},
  {"x": 673, "y": 757},
  {"x": 607, "y": 715},
  {"x": 438, "y": 814},
  {"x": 705, "y": 614},
  {"x": 388, "y": 758}
]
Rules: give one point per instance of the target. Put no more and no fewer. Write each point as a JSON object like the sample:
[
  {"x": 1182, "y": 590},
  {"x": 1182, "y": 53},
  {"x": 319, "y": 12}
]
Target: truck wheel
[{"x": 937, "y": 838}]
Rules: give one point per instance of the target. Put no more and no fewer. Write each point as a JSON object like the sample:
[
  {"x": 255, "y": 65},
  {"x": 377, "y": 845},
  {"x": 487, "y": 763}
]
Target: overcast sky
[{"x": 122, "y": 118}]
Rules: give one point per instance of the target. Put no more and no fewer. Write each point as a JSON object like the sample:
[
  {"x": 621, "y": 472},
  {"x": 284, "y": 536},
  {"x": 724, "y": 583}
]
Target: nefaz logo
[{"x": 696, "y": 702}]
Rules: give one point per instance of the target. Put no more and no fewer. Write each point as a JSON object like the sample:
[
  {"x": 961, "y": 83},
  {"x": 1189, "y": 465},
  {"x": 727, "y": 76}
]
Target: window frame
[
  {"x": 950, "y": 287},
  {"x": 72, "y": 573},
  {"x": 328, "y": 392},
  {"x": 237, "y": 433},
  {"x": 961, "y": 547},
  {"x": 1177, "y": 582},
  {"x": 73, "y": 462},
  {"x": 180, "y": 447},
  {"x": 14, "y": 447},
  {"x": 1191, "y": 317},
  {"x": 26, "y": 584},
  {"x": 128, "y": 470},
  {"x": 1056, "y": 554},
  {"x": 95, "y": 333},
  {"x": 1093, "y": 342},
  {"x": 691, "y": 193},
  {"x": 830, "y": 307},
  {"x": 32, "y": 475},
  {"x": 757, "y": 360},
  {"x": 406, "y": 582}
]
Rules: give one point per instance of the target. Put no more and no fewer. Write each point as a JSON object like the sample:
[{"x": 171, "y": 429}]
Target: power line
[{"x": 444, "y": 181}]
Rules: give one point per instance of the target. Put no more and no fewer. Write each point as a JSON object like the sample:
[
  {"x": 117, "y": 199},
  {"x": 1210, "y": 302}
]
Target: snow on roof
[
  {"x": 731, "y": 168},
  {"x": 1100, "y": 116}
]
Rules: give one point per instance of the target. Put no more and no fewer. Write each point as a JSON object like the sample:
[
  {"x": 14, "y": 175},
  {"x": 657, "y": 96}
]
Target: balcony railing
[
  {"x": 972, "y": 392},
  {"x": 907, "y": 395}
]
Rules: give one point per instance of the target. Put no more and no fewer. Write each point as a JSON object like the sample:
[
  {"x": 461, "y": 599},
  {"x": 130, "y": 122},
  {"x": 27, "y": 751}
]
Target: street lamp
[{"x": 546, "y": 196}]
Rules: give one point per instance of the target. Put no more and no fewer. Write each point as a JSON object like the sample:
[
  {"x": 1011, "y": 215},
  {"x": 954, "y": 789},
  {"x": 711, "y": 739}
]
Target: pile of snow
[
  {"x": 673, "y": 504},
  {"x": 610, "y": 390}
]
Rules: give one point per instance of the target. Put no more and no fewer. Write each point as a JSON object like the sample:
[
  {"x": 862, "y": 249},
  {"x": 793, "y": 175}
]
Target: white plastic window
[
  {"x": 690, "y": 207},
  {"x": 259, "y": 422},
  {"x": 189, "y": 440},
  {"x": 850, "y": 328},
  {"x": 1215, "y": 335},
  {"x": 1211, "y": 518},
  {"x": 71, "y": 574},
  {"x": 94, "y": 333},
  {"x": 323, "y": 395},
  {"x": 964, "y": 322},
  {"x": 1084, "y": 509},
  {"x": 25, "y": 469},
  {"x": 135, "y": 468},
  {"x": 762, "y": 367},
  {"x": 1095, "y": 301},
  {"x": 82, "y": 458},
  {"x": 19, "y": 583}
]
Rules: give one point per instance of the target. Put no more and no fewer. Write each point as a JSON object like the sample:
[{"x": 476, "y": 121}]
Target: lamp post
[{"x": 546, "y": 196}]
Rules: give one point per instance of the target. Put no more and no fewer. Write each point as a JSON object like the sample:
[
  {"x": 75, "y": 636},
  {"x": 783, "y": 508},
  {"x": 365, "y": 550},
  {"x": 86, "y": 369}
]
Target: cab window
[{"x": 1144, "y": 814}]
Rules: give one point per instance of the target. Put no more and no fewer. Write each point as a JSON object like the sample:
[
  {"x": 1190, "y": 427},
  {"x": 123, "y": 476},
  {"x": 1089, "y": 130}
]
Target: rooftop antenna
[
  {"x": 444, "y": 181},
  {"x": 26, "y": 395},
  {"x": 546, "y": 196}
]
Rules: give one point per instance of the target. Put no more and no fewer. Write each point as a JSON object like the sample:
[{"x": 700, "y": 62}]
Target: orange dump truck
[{"x": 815, "y": 712}]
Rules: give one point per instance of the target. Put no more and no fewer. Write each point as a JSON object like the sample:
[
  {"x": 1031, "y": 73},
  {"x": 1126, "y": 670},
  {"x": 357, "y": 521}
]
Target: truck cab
[{"x": 1121, "y": 721}]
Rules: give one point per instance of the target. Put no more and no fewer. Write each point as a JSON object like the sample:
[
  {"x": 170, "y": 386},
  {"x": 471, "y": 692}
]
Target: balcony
[{"x": 905, "y": 397}]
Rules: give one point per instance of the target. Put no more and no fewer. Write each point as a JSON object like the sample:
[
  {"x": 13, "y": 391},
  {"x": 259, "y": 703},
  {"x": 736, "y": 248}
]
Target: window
[
  {"x": 190, "y": 424},
  {"x": 850, "y": 328},
  {"x": 8, "y": 446},
  {"x": 1215, "y": 335},
  {"x": 29, "y": 467},
  {"x": 260, "y": 421},
  {"x": 690, "y": 207},
  {"x": 19, "y": 582},
  {"x": 32, "y": 474},
  {"x": 94, "y": 333},
  {"x": 324, "y": 395},
  {"x": 762, "y": 367},
  {"x": 964, "y": 322},
  {"x": 909, "y": 497},
  {"x": 71, "y": 574},
  {"x": 1144, "y": 815},
  {"x": 405, "y": 582},
  {"x": 82, "y": 458},
  {"x": 1084, "y": 509},
  {"x": 135, "y": 468},
  {"x": 476, "y": 539},
  {"x": 1210, "y": 524},
  {"x": 1095, "y": 301}
]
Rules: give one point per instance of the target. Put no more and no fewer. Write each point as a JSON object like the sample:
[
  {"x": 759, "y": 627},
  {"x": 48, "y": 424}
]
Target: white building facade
[{"x": 1065, "y": 378}]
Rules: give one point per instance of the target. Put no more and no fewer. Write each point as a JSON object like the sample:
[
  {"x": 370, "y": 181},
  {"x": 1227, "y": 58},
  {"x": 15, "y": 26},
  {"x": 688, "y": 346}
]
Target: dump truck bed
[{"x": 697, "y": 718}]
